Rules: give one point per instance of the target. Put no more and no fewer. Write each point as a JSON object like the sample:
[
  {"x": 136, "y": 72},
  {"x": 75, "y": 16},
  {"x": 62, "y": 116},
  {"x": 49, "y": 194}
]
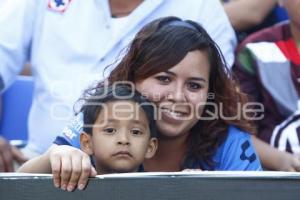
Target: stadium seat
[{"x": 16, "y": 102}]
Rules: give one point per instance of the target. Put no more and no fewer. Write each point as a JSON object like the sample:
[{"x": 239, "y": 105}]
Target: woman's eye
[
  {"x": 110, "y": 130},
  {"x": 136, "y": 132},
  {"x": 194, "y": 86},
  {"x": 163, "y": 79}
]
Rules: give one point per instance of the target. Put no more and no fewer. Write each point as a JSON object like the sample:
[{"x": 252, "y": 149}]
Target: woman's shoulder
[
  {"x": 235, "y": 134},
  {"x": 236, "y": 138},
  {"x": 237, "y": 152}
]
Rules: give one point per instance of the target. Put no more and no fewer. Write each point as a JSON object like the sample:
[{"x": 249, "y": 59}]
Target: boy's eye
[
  {"x": 136, "y": 131},
  {"x": 110, "y": 130},
  {"x": 194, "y": 86},
  {"x": 163, "y": 79}
]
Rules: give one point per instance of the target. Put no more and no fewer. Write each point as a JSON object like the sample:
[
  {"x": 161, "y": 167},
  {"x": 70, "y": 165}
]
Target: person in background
[
  {"x": 69, "y": 44},
  {"x": 178, "y": 67},
  {"x": 119, "y": 130},
  {"x": 267, "y": 67},
  {"x": 248, "y": 16}
]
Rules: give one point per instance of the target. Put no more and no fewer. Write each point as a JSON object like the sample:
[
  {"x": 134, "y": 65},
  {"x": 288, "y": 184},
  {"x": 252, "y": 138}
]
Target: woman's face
[{"x": 179, "y": 94}]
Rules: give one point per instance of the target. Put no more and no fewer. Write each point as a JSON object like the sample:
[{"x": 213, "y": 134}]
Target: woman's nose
[{"x": 177, "y": 94}]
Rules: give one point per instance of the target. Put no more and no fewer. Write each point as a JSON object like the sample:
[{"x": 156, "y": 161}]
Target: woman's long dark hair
[{"x": 159, "y": 46}]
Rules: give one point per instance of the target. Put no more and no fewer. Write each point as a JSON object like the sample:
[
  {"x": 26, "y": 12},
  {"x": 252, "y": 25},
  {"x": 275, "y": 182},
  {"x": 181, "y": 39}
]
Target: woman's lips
[{"x": 173, "y": 116}]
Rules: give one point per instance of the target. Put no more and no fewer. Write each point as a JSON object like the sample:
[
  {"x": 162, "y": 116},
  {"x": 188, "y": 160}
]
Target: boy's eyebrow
[
  {"x": 140, "y": 122},
  {"x": 134, "y": 121},
  {"x": 109, "y": 120}
]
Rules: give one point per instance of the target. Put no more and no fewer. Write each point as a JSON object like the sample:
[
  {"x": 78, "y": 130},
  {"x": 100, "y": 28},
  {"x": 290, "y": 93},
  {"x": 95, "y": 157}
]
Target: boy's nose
[{"x": 123, "y": 138}]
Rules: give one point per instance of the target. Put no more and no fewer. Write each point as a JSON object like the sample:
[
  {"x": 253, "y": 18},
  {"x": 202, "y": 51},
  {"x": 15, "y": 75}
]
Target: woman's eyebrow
[
  {"x": 198, "y": 79},
  {"x": 170, "y": 73},
  {"x": 191, "y": 78}
]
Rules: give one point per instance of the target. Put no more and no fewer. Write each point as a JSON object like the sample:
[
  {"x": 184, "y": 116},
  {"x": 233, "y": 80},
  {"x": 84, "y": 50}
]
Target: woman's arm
[
  {"x": 244, "y": 14},
  {"x": 273, "y": 159}
]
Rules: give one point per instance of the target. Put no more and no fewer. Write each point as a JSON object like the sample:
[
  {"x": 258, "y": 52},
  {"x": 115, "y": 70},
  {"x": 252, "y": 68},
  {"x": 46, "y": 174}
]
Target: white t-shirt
[{"x": 117, "y": 25}]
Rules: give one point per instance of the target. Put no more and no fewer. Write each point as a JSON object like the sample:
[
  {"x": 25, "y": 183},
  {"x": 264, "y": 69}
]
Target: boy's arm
[{"x": 40, "y": 164}]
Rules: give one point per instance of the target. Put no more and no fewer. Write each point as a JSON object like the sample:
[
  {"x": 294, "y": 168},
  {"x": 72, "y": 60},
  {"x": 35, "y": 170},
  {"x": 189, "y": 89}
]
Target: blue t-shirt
[{"x": 236, "y": 153}]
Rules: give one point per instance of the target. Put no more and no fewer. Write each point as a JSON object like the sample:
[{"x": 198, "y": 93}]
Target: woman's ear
[
  {"x": 152, "y": 147},
  {"x": 86, "y": 143}
]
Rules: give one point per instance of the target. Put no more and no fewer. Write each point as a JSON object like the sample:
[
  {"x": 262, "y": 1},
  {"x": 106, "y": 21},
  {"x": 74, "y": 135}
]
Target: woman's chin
[
  {"x": 168, "y": 132},
  {"x": 172, "y": 131}
]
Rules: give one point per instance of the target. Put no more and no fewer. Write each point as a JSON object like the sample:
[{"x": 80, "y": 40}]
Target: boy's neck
[
  {"x": 168, "y": 157},
  {"x": 107, "y": 171}
]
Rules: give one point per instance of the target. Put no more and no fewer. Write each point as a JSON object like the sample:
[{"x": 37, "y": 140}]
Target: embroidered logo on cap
[{"x": 59, "y": 5}]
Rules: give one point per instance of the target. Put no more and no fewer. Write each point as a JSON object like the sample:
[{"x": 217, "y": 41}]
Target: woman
[{"x": 179, "y": 68}]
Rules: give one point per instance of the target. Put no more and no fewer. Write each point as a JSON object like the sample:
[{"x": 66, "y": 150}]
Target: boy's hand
[{"x": 71, "y": 167}]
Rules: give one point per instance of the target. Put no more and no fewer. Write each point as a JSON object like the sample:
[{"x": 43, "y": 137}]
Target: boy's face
[{"x": 121, "y": 138}]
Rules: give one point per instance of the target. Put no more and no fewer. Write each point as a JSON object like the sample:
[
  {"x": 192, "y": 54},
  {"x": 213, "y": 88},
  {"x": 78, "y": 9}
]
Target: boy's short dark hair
[{"x": 94, "y": 99}]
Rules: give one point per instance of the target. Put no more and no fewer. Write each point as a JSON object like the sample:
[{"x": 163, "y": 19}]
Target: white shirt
[
  {"x": 118, "y": 24},
  {"x": 69, "y": 50}
]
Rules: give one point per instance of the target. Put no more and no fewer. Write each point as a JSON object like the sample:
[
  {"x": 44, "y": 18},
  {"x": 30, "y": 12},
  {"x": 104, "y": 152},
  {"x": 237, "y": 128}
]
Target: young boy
[{"x": 119, "y": 131}]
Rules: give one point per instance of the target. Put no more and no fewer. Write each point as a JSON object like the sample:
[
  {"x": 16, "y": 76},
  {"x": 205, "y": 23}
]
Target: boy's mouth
[{"x": 122, "y": 154}]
